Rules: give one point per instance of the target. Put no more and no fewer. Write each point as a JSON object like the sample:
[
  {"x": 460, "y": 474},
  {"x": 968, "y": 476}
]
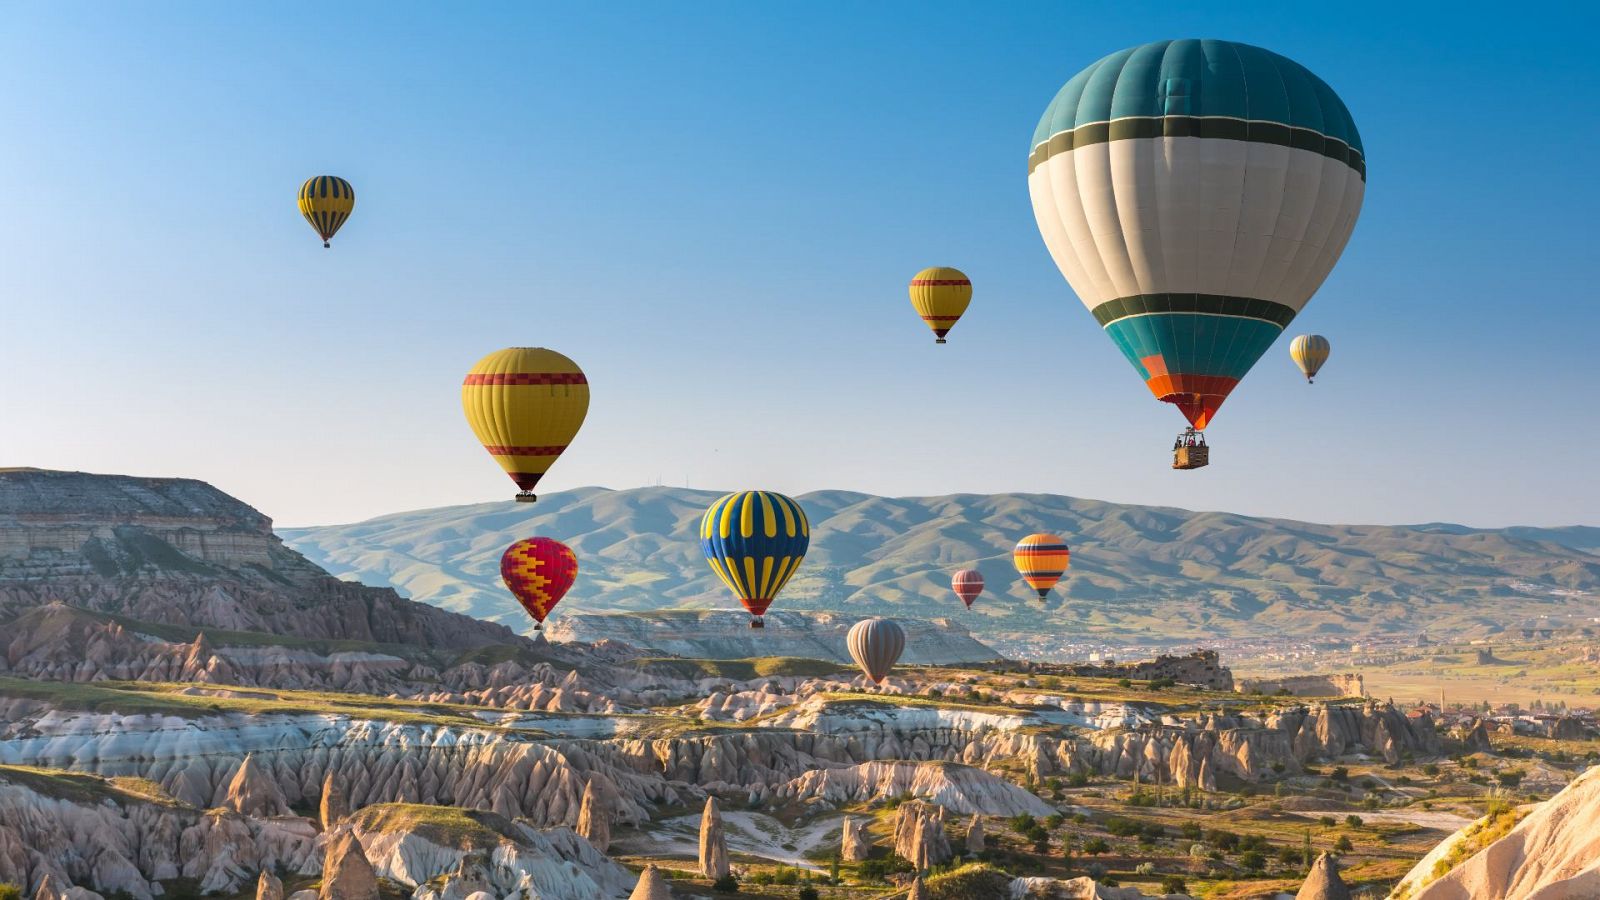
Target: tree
[
  {"x": 1253, "y": 860},
  {"x": 1353, "y": 820},
  {"x": 1307, "y": 849},
  {"x": 833, "y": 869},
  {"x": 1174, "y": 884},
  {"x": 1096, "y": 846},
  {"x": 1343, "y": 844}
]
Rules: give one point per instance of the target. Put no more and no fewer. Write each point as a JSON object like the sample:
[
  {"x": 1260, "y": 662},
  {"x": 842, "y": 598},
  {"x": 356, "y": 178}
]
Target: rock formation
[
  {"x": 47, "y": 890},
  {"x": 919, "y": 836},
  {"x": 593, "y": 821},
  {"x": 713, "y": 844},
  {"x": 1478, "y": 738},
  {"x": 254, "y": 791},
  {"x": 1323, "y": 883},
  {"x": 1552, "y": 852},
  {"x": 918, "y": 891},
  {"x": 652, "y": 886},
  {"x": 269, "y": 887},
  {"x": 334, "y": 806},
  {"x": 346, "y": 873},
  {"x": 853, "y": 844},
  {"x": 975, "y": 835},
  {"x": 1349, "y": 684}
]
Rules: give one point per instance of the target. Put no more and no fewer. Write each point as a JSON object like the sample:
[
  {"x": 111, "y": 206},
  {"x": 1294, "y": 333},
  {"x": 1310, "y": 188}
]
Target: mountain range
[{"x": 1138, "y": 572}]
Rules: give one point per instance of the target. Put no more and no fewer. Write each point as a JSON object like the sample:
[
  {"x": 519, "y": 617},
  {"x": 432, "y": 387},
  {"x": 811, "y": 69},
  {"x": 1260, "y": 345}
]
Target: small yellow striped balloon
[
  {"x": 525, "y": 404},
  {"x": 1042, "y": 559},
  {"x": 940, "y": 295},
  {"x": 1309, "y": 352},
  {"x": 327, "y": 201}
]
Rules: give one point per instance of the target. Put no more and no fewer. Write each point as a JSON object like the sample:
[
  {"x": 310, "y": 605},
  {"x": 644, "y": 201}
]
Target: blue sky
[{"x": 714, "y": 209}]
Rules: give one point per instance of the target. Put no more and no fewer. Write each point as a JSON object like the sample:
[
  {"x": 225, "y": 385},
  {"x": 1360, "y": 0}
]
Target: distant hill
[{"x": 1137, "y": 571}]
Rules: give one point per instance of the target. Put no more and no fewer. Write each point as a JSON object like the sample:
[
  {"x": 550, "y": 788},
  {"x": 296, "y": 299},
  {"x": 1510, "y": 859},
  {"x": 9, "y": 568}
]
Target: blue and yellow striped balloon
[{"x": 754, "y": 541}]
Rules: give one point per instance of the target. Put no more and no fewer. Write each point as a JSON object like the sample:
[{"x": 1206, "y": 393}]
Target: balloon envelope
[
  {"x": 754, "y": 541},
  {"x": 1041, "y": 559},
  {"x": 538, "y": 571},
  {"x": 525, "y": 404},
  {"x": 327, "y": 201},
  {"x": 940, "y": 295},
  {"x": 968, "y": 584},
  {"x": 1195, "y": 194},
  {"x": 876, "y": 645},
  {"x": 1309, "y": 352}
]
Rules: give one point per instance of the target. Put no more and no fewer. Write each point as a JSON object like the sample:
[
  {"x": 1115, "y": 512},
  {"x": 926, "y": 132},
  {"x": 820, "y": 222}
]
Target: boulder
[
  {"x": 269, "y": 887},
  {"x": 713, "y": 844},
  {"x": 334, "y": 805},
  {"x": 1323, "y": 883},
  {"x": 346, "y": 874},
  {"x": 594, "y": 822},
  {"x": 919, "y": 835},
  {"x": 253, "y": 791},
  {"x": 652, "y": 886},
  {"x": 853, "y": 844}
]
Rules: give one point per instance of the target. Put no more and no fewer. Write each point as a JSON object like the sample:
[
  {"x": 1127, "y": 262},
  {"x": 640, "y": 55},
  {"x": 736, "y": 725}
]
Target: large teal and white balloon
[{"x": 1195, "y": 194}]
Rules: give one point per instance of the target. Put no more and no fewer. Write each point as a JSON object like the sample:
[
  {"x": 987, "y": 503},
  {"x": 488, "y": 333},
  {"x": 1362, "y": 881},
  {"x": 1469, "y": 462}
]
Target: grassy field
[{"x": 1519, "y": 672}]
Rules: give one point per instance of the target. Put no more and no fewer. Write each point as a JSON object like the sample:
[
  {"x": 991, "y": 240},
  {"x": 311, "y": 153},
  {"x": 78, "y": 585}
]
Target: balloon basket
[
  {"x": 757, "y": 623},
  {"x": 940, "y": 341},
  {"x": 527, "y": 497},
  {"x": 1190, "y": 451}
]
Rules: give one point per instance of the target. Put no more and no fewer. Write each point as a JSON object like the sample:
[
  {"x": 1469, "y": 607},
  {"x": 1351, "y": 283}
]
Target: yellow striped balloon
[
  {"x": 754, "y": 541},
  {"x": 1042, "y": 559},
  {"x": 940, "y": 295},
  {"x": 327, "y": 201},
  {"x": 525, "y": 404},
  {"x": 1309, "y": 352}
]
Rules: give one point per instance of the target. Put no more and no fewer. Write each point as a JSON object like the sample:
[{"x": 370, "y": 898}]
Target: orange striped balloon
[{"x": 1042, "y": 559}]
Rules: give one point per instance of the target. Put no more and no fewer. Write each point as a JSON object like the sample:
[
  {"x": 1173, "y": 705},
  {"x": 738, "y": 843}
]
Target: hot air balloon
[
  {"x": 1042, "y": 559},
  {"x": 968, "y": 584},
  {"x": 326, "y": 201},
  {"x": 754, "y": 541},
  {"x": 525, "y": 404},
  {"x": 1309, "y": 352},
  {"x": 538, "y": 571},
  {"x": 940, "y": 295},
  {"x": 1195, "y": 194},
  {"x": 875, "y": 645}
]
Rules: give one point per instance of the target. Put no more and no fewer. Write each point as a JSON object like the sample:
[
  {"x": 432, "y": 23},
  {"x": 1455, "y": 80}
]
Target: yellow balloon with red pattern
[{"x": 526, "y": 405}]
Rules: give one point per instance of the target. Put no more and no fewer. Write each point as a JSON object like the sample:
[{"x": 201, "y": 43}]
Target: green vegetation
[
  {"x": 191, "y": 701},
  {"x": 77, "y": 787},
  {"x": 447, "y": 826},
  {"x": 737, "y": 669}
]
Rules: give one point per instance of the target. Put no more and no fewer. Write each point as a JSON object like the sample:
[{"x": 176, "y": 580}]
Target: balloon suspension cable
[{"x": 527, "y": 497}]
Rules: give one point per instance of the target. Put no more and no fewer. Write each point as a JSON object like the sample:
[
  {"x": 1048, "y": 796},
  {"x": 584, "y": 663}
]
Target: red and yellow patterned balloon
[{"x": 539, "y": 571}]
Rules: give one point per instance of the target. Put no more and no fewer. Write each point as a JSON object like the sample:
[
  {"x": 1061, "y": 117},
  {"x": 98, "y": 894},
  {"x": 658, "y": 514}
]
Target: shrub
[
  {"x": 1124, "y": 683},
  {"x": 1022, "y": 823},
  {"x": 1096, "y": 846},
  {"x": 1431, "y": 769},
  {"x": 1222, "y": 840},
  {"x": 1123, "y": 827},
  {"x": 1145, "y": 868},
  {"x": 1327, "y": 821},
  {"x": 1077, "y": 779},
  {"x": 1055, "y": 820},
  {"x": 1340, "y": 773},
  {"x": 1343, "y": 844},
  {"x": 1190, "y": 830},
  {"x": 1174, "y": 884},
  {"x": 1353, "y": 820},
  {"x": 727, "y": 884},
  {"x": 10, "y": 892},
  {"x": 1253, "y": 860},
  {"x": 1509, "y": 778},
  {"x": 807, "y": 893}
]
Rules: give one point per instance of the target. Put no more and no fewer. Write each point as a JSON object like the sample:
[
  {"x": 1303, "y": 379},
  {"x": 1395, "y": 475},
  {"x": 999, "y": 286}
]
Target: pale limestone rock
[
  {"x": 652, "y": 886},
  {"x": 346, "y": 874},
  {"x": 47, "y": 890},
  {"x": 713, "y": 844},
  {"x": 853, "y": 844},
  {"x": 593, "y": 821},
  {"x": 1323, "y": 883},
  {"x": 918, "y": 891}
]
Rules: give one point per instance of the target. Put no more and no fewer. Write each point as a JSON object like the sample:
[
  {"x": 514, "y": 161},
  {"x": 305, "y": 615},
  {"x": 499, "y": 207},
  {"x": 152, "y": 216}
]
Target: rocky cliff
[
  {"x": 179, "y": 552},
  {"x": 726, "y": 634}
]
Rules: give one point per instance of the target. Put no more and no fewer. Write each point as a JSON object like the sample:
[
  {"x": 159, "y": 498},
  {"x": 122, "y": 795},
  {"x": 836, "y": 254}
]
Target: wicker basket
[{"x": 1191, "y": 457}]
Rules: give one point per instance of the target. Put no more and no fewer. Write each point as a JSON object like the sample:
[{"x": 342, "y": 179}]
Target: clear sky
[{"x": 714, "y": 208}]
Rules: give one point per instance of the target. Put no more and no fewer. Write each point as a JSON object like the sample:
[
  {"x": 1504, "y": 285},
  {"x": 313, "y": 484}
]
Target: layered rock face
[
  {"x": 180, "y": 552},
  {"x": 1350, "y": 684},
  {"x": 1552, "y": 853},
  {"x": 725, "y": 634}
]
